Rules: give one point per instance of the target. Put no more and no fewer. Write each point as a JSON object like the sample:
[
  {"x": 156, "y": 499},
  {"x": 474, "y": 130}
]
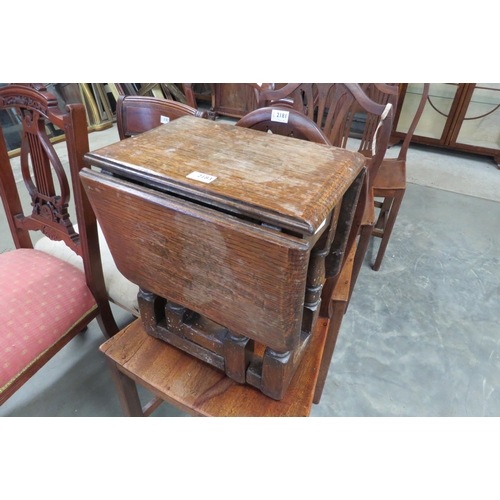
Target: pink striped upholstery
[{"x": 41, "y": 298}]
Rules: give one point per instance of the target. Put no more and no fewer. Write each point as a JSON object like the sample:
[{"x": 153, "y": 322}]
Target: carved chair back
[
  {"x": 332, "y": 106},
  {"x": 41, "y": 166},
  {"x": 137, "y": 114}
]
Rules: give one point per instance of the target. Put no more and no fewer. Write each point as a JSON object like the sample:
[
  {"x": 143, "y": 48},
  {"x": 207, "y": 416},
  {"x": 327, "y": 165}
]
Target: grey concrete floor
[{"x": 421, "y": 337}]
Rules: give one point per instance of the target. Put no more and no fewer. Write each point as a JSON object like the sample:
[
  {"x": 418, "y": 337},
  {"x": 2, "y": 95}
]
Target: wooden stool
[{"x": 197, "y": 387}]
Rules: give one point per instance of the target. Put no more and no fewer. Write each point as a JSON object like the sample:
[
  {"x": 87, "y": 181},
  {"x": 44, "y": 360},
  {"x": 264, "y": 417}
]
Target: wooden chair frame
[
  {"x": 297, "y": 125},
  {"x": 390, "y": 184},
  {"x": 137, "y": 114}
]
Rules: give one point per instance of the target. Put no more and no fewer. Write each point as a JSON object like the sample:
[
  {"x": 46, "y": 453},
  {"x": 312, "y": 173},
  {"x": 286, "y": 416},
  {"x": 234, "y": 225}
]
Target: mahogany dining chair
[{"x": 44, "y": 301}]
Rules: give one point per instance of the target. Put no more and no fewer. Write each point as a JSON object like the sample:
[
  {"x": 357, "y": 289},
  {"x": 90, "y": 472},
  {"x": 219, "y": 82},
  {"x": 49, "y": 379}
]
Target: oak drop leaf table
[{"x": 230, "y": 234}]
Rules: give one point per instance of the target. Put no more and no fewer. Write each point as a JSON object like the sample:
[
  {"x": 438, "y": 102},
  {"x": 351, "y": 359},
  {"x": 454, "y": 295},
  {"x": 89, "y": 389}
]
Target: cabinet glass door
[
  {"x": 481, "y": 120},
  {"x": 435, "y": 118}
]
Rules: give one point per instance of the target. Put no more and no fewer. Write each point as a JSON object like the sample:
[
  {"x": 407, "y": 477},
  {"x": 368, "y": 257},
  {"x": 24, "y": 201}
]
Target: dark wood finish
[
  {"x": 198, "y": 388},
  {"x": 137, "y": 114},
  {"x": 332, "y": 106},
  {"x": 334, "y": 110},
  {"x": 200, "y": 245},
  {"x": 50, "y": 205},
  {"x": 245, "y": 251},
  {"x": 297, "y": 125},
  {"x": 386, "y": 95},
  {"x": 236, "y": 99},
  {"x": 346, "y": 236},
  {"x": 190, "y": 95}
]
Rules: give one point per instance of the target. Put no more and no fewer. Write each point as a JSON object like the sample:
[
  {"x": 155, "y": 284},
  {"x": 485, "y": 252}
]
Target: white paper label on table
[
  {"x": 278, "y": 115},
  {"x": 164, "y": 119},
  {"x": 198, "y": 176}
]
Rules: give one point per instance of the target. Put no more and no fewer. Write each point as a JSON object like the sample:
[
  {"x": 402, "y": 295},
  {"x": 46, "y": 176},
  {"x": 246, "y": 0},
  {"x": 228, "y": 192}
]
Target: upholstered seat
[
  {"x": 33, "y": 285},
  {"x": 121, "y": 291}
]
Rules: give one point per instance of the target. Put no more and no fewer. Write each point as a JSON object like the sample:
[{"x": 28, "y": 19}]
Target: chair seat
[
  {"x": 120, "y": 290},
  {"x": 390, "y": 176},
  {"x": 200, "y": 389},
  {"x": 41, "y": 299}
]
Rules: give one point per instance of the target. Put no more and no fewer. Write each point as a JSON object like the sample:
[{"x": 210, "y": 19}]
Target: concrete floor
[{"x": 420, "y": 338}]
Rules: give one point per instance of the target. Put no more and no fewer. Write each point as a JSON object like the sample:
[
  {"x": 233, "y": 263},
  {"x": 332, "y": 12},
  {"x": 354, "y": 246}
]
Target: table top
[{"x": 284, "y": 181}]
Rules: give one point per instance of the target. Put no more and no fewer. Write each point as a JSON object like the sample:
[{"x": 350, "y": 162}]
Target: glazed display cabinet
[{"x": 460, "y": 116}]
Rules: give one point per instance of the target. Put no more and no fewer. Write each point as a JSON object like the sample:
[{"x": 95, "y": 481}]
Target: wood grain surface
[
  {"x": 288, "y": 182},
  {"x": 249, "y": 278},
  {"x": 200, "y": 389}
]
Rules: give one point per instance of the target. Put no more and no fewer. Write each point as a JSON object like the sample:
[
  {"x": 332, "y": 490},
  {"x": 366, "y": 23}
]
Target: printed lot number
[
  {"x": 279, "y": 116},
  {"x": 198, "y": 176}
]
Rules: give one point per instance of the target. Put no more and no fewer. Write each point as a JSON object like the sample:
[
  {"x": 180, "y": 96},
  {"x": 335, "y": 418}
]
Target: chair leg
[
  {"x": 338, "y": 308},
  {"x": 391, "y": 219},
  {"x": 127, "y": 392},
  {"x": 385, "y": 207},
  {"x": 364, "y": 239},
  {"x": 106, "y": 320}
]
